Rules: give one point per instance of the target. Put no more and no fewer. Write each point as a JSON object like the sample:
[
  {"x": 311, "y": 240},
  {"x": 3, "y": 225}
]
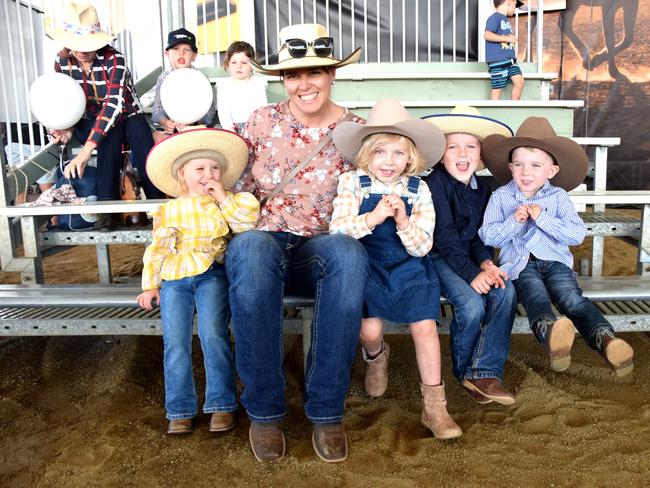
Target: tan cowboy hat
[
  {"x": 223, "y": 146},
  {"x": 81, "y": 30},
  {"x": 468, "y": 120},
  {"x": 391, "y": 117},
  {"x": 307, "y": 33},
  {"x": 496, "y": 151}
]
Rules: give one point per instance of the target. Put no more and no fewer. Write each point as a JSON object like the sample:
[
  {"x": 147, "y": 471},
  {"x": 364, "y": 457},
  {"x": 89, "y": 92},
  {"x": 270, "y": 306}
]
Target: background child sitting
[
  {"x": 181, "y": 52},
  {"x": 389, "y": 209},
  {"x": 533, "y": 221},
  {"x": 183, "y": 266},
  {"x": 242, "y": 93},
  {"x": 483, "y": 298}
]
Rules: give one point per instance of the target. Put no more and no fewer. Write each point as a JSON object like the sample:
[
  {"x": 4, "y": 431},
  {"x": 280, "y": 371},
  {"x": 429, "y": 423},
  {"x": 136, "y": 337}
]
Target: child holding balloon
[
  {"x": 241, "y": 93},
  {"x": 181, "y": 52}
]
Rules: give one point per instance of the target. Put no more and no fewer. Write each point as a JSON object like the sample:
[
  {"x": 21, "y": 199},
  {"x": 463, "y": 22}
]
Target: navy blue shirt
[{"x": 459, "y": 214}]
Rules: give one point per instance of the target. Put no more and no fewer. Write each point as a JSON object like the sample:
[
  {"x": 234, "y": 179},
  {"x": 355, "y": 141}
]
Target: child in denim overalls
[
  {"x": 183, "y": 266},
  {"x": 389, "y": 209}
]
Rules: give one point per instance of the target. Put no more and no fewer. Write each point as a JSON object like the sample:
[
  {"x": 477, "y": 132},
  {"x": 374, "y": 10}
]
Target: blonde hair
[
  {"x": 415, "y": 165},
  {"x": 181, "y": 162},
  {"x": 534, "y": 149}
]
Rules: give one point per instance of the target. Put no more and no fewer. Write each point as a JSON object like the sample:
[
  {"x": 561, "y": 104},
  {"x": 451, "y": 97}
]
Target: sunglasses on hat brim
[{"x": 322, "y": 46}]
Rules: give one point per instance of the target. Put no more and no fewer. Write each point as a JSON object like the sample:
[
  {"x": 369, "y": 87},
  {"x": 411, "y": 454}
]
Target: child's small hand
[
  {"x": 169, "y": 126},
  {"x": 497, "y": 274},
  {"x": 521, "y": 214},
  {"x": 146, "y": 298},
  {"x": 482, "y": 283},
  {"x": 380, "y": 213},
  {"x": 181, "y": 127},
  {"x": 399, "y": 211},
  {"x": 534, "y": 211},
  {"x": 511, "y": 38},
  {"x": 215, "y": 189}
]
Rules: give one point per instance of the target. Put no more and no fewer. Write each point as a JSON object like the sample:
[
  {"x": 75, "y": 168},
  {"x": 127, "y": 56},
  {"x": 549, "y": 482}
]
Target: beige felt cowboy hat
[
  {"x": 225, "y": 147},
  {"x": 496, "y": 151},
  {"x": 305, "y": 46},
  {"x": 389, "y": 116},
  {"x": 81, "y": 30}
]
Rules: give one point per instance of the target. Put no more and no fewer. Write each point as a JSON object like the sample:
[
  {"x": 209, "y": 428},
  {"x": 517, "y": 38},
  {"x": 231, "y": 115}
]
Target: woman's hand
[
  {"x": 146, "y": 298},
  {"x": 60, "y": 136}
]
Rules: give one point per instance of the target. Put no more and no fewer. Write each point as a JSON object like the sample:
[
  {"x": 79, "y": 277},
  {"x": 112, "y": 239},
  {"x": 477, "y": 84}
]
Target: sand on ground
[{"x": 88, "y": 411}]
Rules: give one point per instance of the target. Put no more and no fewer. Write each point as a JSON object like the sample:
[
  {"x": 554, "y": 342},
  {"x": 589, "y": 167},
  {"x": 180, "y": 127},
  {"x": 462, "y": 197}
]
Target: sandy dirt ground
[{"x": 88, "y": 411}]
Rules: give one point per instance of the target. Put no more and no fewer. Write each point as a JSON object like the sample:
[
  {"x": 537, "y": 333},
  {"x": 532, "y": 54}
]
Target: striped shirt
[
  {"x": 108, "y": 87},
  {"x": 189, "y": 234},
  {"x": 548, "y": 238},
  {"x": 158, "y": 112},
  {"x": 417, "y": 238}
]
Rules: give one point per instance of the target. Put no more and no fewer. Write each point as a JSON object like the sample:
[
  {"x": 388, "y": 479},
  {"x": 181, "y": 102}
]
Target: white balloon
[
  {"x": 186, "y": 95},
  {"x": 57, "y": 101}
]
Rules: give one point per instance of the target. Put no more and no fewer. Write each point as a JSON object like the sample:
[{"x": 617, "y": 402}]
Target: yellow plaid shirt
[
  {"x": 417, "y": 238},
  {"x": 190, "y": 233}
]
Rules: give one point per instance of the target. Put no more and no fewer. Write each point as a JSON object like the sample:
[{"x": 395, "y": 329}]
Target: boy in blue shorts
[
  {"x": 533, "y": 221},
  {"x": 500, "y": 54}
]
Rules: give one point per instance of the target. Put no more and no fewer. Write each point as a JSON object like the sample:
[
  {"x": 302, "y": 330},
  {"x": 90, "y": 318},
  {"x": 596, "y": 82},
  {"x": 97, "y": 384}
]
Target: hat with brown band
[{"x": 496, "y": 152}]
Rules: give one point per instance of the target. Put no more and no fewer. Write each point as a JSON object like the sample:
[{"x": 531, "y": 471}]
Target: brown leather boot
[
  {"x": 558, "y": 344},
  {"x": 618, "y": 354},
  {"x": 434, "y": 413},
  {"x": 221, "y": 421},
  {"x": 267, "y": 441},
  {"x": 179, "y": 426},
  {"x": 376, "y": 377},
  {"x": 330, "y": 442}
]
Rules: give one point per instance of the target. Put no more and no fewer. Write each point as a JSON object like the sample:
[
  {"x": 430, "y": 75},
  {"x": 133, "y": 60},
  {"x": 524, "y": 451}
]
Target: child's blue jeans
[
  {"x": 481, "y": 327},
  {"x": 208, "y": 293},
  {"x": 543, "y": 283}
]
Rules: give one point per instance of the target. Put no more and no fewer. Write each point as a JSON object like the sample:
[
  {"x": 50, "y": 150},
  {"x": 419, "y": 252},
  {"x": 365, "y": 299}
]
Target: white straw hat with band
[{"x": 81, "y": 29}]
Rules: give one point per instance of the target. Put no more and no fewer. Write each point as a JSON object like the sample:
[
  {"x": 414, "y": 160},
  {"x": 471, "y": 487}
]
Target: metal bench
[{"x": 30, "y": 310}]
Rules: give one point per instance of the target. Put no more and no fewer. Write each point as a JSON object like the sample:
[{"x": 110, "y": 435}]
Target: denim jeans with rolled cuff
[
  {"x": 262, "y": 267},
  {"x": 481, "y": 326}
]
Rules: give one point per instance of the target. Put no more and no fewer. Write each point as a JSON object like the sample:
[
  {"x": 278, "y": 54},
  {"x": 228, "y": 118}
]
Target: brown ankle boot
[
  {"x": 434, "y": 413},
  {"x": 618, "y": 354},
  {"x": 376, "y": 377}
]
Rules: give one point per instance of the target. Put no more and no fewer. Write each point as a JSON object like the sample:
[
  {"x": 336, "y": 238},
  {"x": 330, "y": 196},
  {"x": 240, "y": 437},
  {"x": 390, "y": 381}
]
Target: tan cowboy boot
[
  {"x": 434, "y": 413},
  {"x": 376, "y": 378}
]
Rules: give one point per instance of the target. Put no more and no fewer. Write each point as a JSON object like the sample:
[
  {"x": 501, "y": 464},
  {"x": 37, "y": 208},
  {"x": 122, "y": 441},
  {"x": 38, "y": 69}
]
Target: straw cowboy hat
[
  {"x": 389, "y": 116},
  {"x": 305, "y": 46},
  {"x": 81, "y": 30},
  {"x": 222, "y": 146},
  {"x": 468, "y": 120},
  {"x": 537, "y": 132}
]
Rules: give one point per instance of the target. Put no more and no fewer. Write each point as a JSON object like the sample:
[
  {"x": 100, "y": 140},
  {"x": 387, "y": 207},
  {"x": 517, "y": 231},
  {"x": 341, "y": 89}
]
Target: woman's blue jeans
[
  {"x": 262, "y": 267},
  {"x": 544, "y": 283},
  {"x": 481, "y": 326},
  {"x": 208, "y": 293}
]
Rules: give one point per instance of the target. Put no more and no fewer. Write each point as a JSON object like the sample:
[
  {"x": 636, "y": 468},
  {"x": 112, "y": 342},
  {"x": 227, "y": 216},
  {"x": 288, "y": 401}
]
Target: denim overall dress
[{"x": 401, "y": 288}]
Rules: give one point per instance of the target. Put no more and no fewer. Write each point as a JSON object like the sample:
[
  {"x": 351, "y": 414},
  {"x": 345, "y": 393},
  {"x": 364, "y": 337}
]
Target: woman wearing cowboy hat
[
  {"x": 112, "y": 106},
  {"x": 292, "y": 251}
]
